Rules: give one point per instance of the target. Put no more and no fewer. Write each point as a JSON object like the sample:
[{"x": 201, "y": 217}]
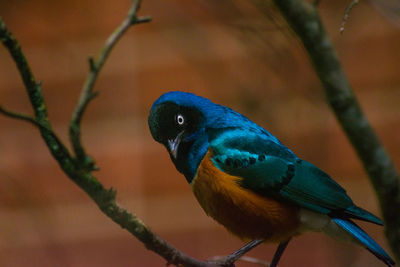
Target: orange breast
[{"x": 243, "y": 212}]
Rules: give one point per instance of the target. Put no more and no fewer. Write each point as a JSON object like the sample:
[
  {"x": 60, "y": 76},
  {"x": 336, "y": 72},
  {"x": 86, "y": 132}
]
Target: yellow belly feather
[{"x": 243, "y": 212}]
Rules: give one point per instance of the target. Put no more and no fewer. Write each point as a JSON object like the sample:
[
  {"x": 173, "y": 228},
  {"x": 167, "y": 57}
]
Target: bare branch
[
  {"x": 34, "y": 91},
  {"x": 229, "y": 260},
  {"x": 27, "y": 118},
  {"x": 87, "y": 93},
  {"x": 238, "y": 255},
  {"x": 340, "y": 96},
  {"x": 20, "y": 116},
  {"x": 347, "y": 15},
  {"x": 33, "y": 88},
  {"x": 75, "y": 169}
]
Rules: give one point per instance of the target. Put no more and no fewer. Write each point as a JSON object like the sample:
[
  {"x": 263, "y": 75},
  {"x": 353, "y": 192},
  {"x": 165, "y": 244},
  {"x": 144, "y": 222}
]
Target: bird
[{"x": 248, "y": 181}]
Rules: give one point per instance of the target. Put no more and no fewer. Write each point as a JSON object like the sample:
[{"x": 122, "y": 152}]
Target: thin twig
[
  {"x": 230, "y": 259},
  {"x": 347, "y": 15},
  {"x": 239, "y": 255},
  {"x": 254, "y": 260},
  {"x": 28, "y": 118},
  {"x": 87, "y": 93},
  {"x": 380, "y": 168},
  {"x": 20, "y": 116}
]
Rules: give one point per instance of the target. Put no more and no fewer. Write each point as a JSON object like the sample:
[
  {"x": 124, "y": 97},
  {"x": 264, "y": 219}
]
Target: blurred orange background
[{"x": 237, "y": 53}]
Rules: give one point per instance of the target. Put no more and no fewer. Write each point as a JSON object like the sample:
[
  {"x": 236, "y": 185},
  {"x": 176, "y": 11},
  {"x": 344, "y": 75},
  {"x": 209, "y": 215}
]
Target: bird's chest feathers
[{"x": 243, "y": 212}]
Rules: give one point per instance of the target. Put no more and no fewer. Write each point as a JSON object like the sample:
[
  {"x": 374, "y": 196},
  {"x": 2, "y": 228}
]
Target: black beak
[{"x": 173, "y": 145}]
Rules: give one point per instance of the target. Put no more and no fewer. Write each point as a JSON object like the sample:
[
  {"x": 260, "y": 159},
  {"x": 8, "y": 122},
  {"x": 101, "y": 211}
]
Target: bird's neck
[{"x": 189, "y": 157}]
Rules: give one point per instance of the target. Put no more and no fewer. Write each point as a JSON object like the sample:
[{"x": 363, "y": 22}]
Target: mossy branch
[
  {"x": 304, "y": 19},
  {"x": 20, "y": 116},
  {"x": 78, "y": 167}
]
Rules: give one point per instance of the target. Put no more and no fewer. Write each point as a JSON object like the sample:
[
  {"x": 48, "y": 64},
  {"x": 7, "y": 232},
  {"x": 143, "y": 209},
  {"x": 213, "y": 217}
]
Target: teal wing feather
[{"x": 269, "y": 168}]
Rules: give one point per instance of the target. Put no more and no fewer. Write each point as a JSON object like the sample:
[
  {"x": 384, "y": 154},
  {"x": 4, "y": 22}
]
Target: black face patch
[
  {"x": 161, "y": 121},
  {"x": 168, "y": 119}
]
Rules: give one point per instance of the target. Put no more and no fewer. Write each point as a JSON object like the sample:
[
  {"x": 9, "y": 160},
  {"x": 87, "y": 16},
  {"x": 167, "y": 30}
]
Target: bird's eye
[{"x": 180, "y": 119}]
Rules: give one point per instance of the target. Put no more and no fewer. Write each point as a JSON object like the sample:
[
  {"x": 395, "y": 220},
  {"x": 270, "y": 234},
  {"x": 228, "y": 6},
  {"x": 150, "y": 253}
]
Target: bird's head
[
  {"x": 178, "y": 121},
  {"x": 186, "y": 124}
]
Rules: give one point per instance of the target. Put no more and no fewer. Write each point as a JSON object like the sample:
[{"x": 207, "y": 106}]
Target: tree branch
[
  {"x": 347, "y": 15},
  {"x": 87, "y": 93},
  {"x": 78, "y": 168},
  {"x": 34, "y": 92},
  {"x": 232, "y": 258},
  {"x": 305, "y": 21},
  {"x": 20, "y": 116},
  {"x": 76, "y": 171}
]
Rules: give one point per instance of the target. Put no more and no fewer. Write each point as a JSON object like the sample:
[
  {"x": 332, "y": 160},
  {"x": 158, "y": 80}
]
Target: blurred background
[{"x": 237, "y": 53}]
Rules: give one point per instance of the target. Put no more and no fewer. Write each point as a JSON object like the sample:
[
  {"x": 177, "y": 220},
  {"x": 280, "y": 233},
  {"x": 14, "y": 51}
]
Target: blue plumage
[
  {"x": 364, "y": 239},
  {"x": 216, "y": 116},
  {"x": 191, "y": 126}
]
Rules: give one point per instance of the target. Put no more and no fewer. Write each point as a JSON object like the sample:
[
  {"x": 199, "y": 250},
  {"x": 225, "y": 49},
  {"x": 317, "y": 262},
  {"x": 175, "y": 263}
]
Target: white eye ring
[{"x": 180, "y": 119}]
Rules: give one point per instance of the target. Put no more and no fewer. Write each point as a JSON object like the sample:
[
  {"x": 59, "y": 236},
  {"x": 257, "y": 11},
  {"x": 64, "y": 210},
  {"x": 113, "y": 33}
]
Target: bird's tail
[{"x": 365, "y": 240}]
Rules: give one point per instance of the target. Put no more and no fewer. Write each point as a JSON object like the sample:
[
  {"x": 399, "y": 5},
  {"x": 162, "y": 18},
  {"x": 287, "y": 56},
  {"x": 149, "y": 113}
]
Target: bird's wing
[{"x": 269, "y": 168}]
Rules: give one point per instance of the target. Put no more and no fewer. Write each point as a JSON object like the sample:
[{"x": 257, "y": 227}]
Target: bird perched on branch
[{"x": 248, "y": 181}]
